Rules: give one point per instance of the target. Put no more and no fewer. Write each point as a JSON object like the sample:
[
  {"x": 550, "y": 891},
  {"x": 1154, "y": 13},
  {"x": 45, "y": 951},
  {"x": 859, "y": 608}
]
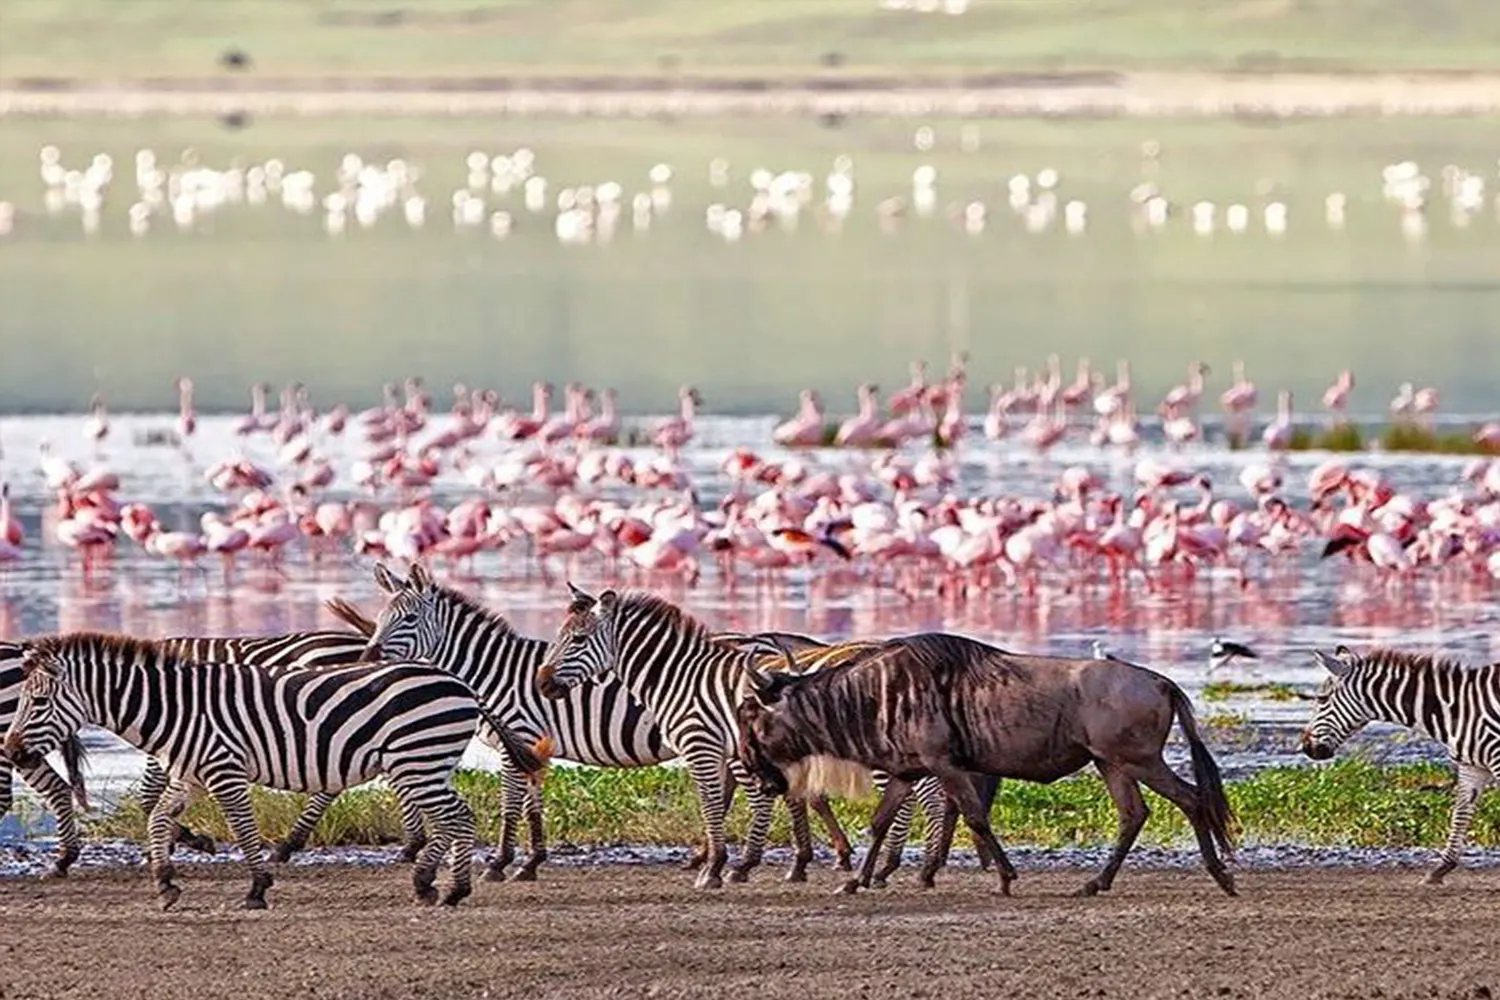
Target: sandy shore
[{"x": 1260, "y": 95}]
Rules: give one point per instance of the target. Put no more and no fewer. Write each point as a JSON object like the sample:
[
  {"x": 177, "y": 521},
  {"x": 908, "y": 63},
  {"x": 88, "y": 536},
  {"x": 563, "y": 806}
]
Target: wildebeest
[{"x": 951, "y": 707}]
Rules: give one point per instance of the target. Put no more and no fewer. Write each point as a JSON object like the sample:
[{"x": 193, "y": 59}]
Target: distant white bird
[{"x": 1100, "y": 653}]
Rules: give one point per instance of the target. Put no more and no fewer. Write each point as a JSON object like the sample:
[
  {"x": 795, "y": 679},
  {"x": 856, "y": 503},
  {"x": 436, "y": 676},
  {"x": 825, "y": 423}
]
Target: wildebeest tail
[
  {"x": 532, "y": 760},
  {"x": 1216, "y": 808},
  {"x": 350, "y": 615}
]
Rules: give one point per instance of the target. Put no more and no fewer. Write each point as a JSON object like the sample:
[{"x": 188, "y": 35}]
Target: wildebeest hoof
[
  {"x": 524, "y": 875},
  {"x": 1089, "y": 889},
  {"x": 878, "y": 882},
  {"x": 168, "y": 895},
  {"x": 253, "y": 903},
  {"x": 708, "y": 880},
  {"x": 849, "y": 888},
  {"x": 739, "y": 875},
  {"x": 845, "y": 863},
  {"x": 796, "y": 875}
]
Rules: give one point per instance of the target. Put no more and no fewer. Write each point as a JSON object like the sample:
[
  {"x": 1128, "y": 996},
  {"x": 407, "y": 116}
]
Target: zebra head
[
  {"x": 1343, "y": 708},
  {"x": 50, "y": 711},
  {"x": 586, "y": 646},
  {"x": 407, "y": 628}
]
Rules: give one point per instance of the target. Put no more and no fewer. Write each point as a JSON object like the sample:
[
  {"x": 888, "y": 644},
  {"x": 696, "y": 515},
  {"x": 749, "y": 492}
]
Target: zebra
[
  {"x": 221, "y": 727},
  {"x": 1442, "y": 698},
  {"x": 673, "y": 664},
  {"x": 601, "y": 725},
  {"x": 308, "y": 650},
  {"x": 58, "y": 792}
]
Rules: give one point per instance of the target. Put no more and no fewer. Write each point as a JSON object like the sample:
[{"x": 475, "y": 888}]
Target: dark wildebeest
[{"x": 951, "y": 707}]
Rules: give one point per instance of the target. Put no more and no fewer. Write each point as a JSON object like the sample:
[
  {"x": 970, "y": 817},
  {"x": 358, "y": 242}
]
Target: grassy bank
[
  {"x": 94, "y": 39},
  {"x": 1347, "y": 803}
]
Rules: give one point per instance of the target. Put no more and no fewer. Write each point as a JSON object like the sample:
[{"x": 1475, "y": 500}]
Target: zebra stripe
[
  {"x": 1454, "y": 704},
  {"x": 223, "y": 727},
  {"x": 691, "y": 682},
  {"x": 600, "y": 725}
]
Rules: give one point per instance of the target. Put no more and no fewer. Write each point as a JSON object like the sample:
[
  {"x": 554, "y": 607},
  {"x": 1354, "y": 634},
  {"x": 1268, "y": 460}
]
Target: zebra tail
[
  {"x": 531, "y": 759},
  {"x": 1216, "y": 808},
  {"x": 350, "y": 615},
  {"x": 74, "y": 755}
]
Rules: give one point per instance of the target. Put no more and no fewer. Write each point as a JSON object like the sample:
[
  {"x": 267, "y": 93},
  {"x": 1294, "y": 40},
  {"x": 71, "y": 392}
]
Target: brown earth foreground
[{"x": 627, "y": 932}]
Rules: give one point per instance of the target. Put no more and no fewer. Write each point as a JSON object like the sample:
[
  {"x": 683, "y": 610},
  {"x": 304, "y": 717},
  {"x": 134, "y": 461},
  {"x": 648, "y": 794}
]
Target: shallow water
[{"x": 1318, "y": 605}]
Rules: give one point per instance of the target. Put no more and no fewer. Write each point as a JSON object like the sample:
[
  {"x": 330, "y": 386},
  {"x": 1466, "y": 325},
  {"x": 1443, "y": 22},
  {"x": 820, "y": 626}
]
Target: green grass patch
[
  {"x": 1224, "y": 690},
  {"x": 1415, "y": 438},
  {"x": 1349, "y": 802}
]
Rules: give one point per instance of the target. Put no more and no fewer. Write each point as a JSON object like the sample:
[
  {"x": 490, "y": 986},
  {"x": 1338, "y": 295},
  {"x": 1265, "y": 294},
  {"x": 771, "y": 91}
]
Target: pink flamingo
[
  {"x": 674, "y": 432},
  {"x": 805, "y": 430},
  {"x": 604, "y": 428},
  {"x": 1278, "y": 435},
  {"x": 10, "y": 527},
  {"x": 96, "y": 427},
  {"x": 905, "y": 400},
  {"x": 859, "y": 430},
  {"x": 1336, "y": 398},
  {"x": 187, "y": 416},
  {"x": 1184, "y": 397},
  {"x": 563, "y": 426},
  {"x": 256, "y": 421}
]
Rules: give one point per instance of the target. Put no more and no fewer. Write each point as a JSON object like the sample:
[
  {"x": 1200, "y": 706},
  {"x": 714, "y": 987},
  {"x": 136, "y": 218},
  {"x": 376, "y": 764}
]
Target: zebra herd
[{"x": 402, "y": 695}]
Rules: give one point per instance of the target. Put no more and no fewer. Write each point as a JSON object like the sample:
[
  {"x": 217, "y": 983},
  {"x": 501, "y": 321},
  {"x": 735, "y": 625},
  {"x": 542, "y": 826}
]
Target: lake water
[
  {"x": 1317, "y": 604},
  {"x": 247, "y": 292}
]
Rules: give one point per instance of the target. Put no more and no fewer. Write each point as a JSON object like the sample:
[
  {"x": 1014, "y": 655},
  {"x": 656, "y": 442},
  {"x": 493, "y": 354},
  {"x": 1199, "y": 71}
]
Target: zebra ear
[
  {"x": 386, "y": 580},
  {"x": 1336, "y": 664},
  {"x": 580, "y": 601},
  {"x": 419, "y": 579},
  {"x": 608, "y": 601}
]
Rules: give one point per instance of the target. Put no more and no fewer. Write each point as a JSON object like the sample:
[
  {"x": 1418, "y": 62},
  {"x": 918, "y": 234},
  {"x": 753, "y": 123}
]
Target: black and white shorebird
[
  {"x": 1100, "y": 653},
  {"x": 1222, "y": 651}
]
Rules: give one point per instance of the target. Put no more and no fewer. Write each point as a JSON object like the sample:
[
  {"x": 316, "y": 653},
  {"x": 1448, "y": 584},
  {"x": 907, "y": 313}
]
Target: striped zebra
[
  {"x": 1456, "y": 705},
  {"x": 673, "y": 664},
  {"x": 601, "y": 725},
  {"x": 58, "y": 792},
  {"x": 222, "y": 727}
]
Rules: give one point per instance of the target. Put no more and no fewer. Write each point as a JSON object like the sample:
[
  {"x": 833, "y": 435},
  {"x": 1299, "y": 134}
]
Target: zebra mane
[
  {"x": 467, "y": 602},
  {"x": 641, "y": 602},
  {"x": 1395, "y": 659},
  {"x": 87, "y": 644}
]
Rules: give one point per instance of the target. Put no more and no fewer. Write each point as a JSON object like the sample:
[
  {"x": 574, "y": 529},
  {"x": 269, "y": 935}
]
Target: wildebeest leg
[
  {"x": 988, "y": 787},
  {"x": 700, "y": 853},
  {"x": 890, "y": 803},
  {"x": 960, "y": 787},
  {"x": 1161, "y": 780},
  {"x": 836, "y": 836},
  {"x": 1133, "y": 813}
]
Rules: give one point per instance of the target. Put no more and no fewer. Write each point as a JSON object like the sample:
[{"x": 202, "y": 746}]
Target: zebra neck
[
  {"x": 665, "y": 674},
  {"x": 1425, "y": 700},
  {"x": 120, "y": 696},
  {"x": 485, "y": 654}
]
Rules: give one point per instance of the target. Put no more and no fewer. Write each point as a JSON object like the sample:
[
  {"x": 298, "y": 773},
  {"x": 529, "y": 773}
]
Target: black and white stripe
[
  {"x": 691, "y": 682},
  {"x": 600, "y": 724},
  {"x": 1454, "y": 704},
  {"x": 223, "y": 727}
]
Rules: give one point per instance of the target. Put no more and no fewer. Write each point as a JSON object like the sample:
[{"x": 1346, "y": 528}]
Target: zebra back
[{"x": 290, "y": 651}]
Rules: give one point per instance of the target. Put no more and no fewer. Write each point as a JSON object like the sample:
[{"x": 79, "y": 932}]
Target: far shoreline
[{"x": 1247, "y": 95}]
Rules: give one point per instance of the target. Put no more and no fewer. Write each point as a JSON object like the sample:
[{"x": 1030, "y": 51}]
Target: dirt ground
[{"x": 637, "y": 931}]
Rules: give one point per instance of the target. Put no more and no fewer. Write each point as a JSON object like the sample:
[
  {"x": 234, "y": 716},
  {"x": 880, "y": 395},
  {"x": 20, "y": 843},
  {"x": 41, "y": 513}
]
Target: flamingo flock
[{"x": 877, "y": 499}]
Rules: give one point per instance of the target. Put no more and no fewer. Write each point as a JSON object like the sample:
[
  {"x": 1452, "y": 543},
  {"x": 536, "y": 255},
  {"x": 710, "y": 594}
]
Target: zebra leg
[
  {"x": 161, "y": 825},
  {"x": 708, "y": 776},
  {"x": 536, "y": 836},
  {"x": 231, "y": 790},
  {"x": 455, "y": 823},
  {"x": 836, "y": 836},
  {"x": 802, "y": 837},
  {"x": 1472, "y": 781},
  {"x": 413, "y": 824},
  {"x": 940, "y": 827},
  {"x": 153, "y": 782},
  {"x": 700, "y": 854},
  {"x": 895, "y": 850},
  {"x": 761, "y": 809},
  {"x": 58, "y": 794},
  {"x": 306, "y": 823},
  {"x": 513, "y": 794}
]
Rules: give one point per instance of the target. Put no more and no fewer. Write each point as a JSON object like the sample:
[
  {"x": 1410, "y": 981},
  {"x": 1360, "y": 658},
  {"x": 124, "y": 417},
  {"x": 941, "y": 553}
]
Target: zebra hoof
[
  {"x": 427, "y": 895},
  {"x": 708, "y": 880},
  {"x": 796, "y": 875},
  {"x": 494, "y": 873},
  {"x": 168, "y": 896},
  {"x": 524, "y": 875},
  {"x": 457, "y": 894},
  {"x": 739, "y": 876},
  {"x": 253, "y": 903},
  {"x": 412, "y": 851},
  {"x": 64, "y": 861},
  {"x": 878, "y": 882},
  {"x": 1090, "y": 888},
  {"x": 849, "y": 887},
  {"x": 283, "y": 853}
]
